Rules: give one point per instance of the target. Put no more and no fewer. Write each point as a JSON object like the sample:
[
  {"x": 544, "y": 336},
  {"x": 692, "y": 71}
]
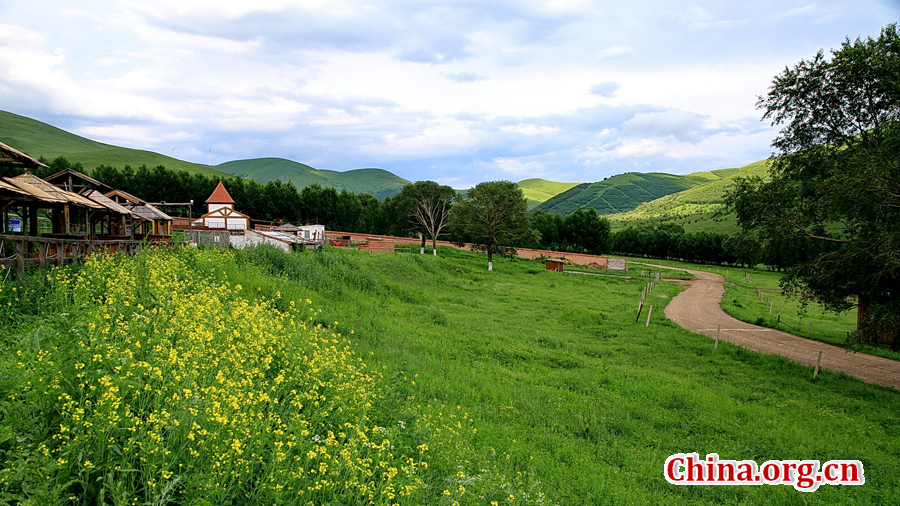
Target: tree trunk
[
  {"x": 490, "y": 253},
  {"x": 422, "y": 247},
  {"x": 434, "y": 246}
]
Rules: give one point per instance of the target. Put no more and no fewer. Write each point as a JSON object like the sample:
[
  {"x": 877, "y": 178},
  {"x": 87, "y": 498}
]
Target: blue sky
[{"x": 457, "y": 92}]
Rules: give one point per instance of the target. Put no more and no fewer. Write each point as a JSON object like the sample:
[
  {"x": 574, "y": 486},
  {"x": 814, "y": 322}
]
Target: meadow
[{"x": 517, "y": 386}]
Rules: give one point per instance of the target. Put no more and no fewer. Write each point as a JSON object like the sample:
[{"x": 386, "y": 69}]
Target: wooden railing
[{"x": 19, "y": 251}]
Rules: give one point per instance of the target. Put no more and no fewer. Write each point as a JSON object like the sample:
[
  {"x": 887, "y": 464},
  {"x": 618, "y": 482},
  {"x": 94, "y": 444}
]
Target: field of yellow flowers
[
  {"x": 154, "y": 380},
  {"x": 340, "y": 377}
]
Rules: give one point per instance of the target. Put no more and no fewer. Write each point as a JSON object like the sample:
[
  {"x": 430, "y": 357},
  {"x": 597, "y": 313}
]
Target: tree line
[{"x": 421, "y": 206}]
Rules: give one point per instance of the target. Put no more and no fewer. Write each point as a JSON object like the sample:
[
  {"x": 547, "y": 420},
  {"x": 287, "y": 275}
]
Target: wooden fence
[{"x": 42, "y": 251}]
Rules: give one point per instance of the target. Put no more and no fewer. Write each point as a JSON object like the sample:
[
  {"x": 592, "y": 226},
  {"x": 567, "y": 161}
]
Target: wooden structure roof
[
  {"x": 58, "y": 193},
  {"x": 124, "y": 197},
  {"x": 11, "y": 191},
  {"x": 33, "y": 192},
  {"x": 150, "y": 213},
  {"x": 76, "y": 182},
  {"x": 12, "y": 156},
  {"x": 220, "y": 195},
  {"x": 107, "y": 202}
]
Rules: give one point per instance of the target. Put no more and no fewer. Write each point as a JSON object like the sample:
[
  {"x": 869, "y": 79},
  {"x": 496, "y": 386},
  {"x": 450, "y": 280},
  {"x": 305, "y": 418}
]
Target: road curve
[{"x": 698, "y": 309}]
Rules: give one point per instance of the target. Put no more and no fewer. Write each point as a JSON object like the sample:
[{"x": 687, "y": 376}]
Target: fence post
[
  {"x": 20, "y": 259},
  {"x": 818, "y": 364},
  {"x": 718, "y": 333},
  {"x": 649, "y": 312}
]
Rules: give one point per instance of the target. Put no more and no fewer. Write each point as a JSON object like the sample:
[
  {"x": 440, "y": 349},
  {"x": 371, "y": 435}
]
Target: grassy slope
[
  {"x": 623, "y": 192},
  {"x": 40, "y": 139},
  {"x": 694, "y": 209},
  {"x": 585, "y": 401},
  {"x": 539, "y": 190},
  {"x": 378, "y": 182}
]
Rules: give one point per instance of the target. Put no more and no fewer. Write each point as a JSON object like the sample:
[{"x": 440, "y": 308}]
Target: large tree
[
  {"x": 834, "y": 179},
  {"x": 426, "y": 208},
  {"x": 494, "y": 216}
]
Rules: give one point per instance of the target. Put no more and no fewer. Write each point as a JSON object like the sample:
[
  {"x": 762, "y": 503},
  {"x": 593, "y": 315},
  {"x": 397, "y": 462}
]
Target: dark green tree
[
  {"x": 834, "y": 179},
  {"x": 494, "y": 216},
  {"x": 586, "y": 232}
]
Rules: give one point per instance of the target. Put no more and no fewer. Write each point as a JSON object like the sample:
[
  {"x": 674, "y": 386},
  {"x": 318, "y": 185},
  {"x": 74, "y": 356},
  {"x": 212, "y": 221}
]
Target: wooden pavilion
[{"x": 148, "y": 222}]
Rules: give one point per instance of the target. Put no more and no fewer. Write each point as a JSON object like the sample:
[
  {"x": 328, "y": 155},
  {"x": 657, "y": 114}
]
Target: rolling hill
[
  {"x": 623, "y": 192},
  {"x": 377, "y": 182},
  {"x": 696, "y": 209},
  {"x": 538, "y": 191},
  {"x": 40, "y": 139}
]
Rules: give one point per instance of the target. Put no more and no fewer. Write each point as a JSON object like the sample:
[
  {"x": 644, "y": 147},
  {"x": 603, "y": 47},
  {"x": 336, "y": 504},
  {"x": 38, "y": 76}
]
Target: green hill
[
  {"x": 538, "y": 191},
  {"x": 377, "y": 182},
  {"x": 40, "y": 139},
  {"x": 696, "y": 209},
  {"x": 623, "y": 192}
]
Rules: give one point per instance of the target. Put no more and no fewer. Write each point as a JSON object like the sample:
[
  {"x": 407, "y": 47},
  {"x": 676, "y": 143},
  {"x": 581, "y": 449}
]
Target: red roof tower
[{"x": 220, "y": 195}]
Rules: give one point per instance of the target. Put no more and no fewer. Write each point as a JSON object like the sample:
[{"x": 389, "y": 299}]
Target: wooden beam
[{"x": 20, "y": 259}]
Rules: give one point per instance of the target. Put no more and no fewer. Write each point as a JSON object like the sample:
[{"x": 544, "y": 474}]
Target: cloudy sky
[{"x": 457, "y": 92}]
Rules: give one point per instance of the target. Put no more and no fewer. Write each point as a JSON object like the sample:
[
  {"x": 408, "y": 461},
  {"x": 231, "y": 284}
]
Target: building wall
[
  {"x": 213, "y": 207},
  {"x": 233, "y": 223},
  {"x": 312, "y": 232},
  {"x": 251, "y": 238}
]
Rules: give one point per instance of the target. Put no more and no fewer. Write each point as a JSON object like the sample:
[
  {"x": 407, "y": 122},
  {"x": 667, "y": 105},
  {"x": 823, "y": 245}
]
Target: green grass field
[{"x": 571, "y": 402}]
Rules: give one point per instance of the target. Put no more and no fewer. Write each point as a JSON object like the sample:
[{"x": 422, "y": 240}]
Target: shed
[{"x": 555, "y": 265}]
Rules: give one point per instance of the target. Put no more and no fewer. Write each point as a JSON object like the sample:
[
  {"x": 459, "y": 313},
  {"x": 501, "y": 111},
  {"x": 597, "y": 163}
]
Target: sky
[{"x": 455, "y": 92}]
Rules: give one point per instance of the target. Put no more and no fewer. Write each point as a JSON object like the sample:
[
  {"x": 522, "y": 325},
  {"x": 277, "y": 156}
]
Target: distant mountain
[
  {"x": 623, "y": 192},
  {"x": 538, "y": 191},
  {"x": 696, "y": 209},
  {"x": 377, "y": 182},
  {"x": 40, "y": 139}
]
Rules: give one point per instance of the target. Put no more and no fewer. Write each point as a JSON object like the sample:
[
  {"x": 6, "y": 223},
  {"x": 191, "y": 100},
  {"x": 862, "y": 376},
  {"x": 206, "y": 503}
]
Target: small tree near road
[
  {"x": 834, "y": 181},
  {"x": 494, "y": 216}
]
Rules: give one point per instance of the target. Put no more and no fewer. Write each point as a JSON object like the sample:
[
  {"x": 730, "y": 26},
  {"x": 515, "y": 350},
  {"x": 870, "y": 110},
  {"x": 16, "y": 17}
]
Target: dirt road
[{"x": 698, "y": 309}]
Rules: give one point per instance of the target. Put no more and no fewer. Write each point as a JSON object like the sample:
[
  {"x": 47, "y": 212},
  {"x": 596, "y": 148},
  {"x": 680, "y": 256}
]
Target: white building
[{"x": 220, "y": 214}]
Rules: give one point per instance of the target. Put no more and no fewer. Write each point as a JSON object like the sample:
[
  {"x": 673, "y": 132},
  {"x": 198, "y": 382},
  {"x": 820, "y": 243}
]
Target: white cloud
[
  {"x": 568, "y": 89},
  {"x": 465, "y": 77},
  {"x": 607, "y": 89},
  {"x": 615, "y": 51}
]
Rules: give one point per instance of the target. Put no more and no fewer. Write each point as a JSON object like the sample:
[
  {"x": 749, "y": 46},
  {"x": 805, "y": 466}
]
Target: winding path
[{"x": 698, "y": 309}]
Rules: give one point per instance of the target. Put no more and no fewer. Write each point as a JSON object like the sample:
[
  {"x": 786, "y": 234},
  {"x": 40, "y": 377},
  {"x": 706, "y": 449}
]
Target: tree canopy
[
  {"x": 494, "y": 216},
  {"x": 834, "y": 179},
  {"x": 424, "y": 208}
]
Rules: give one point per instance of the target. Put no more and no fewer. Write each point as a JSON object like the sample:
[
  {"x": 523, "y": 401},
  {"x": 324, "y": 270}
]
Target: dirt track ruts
[{"x": 698, "y": 309}]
